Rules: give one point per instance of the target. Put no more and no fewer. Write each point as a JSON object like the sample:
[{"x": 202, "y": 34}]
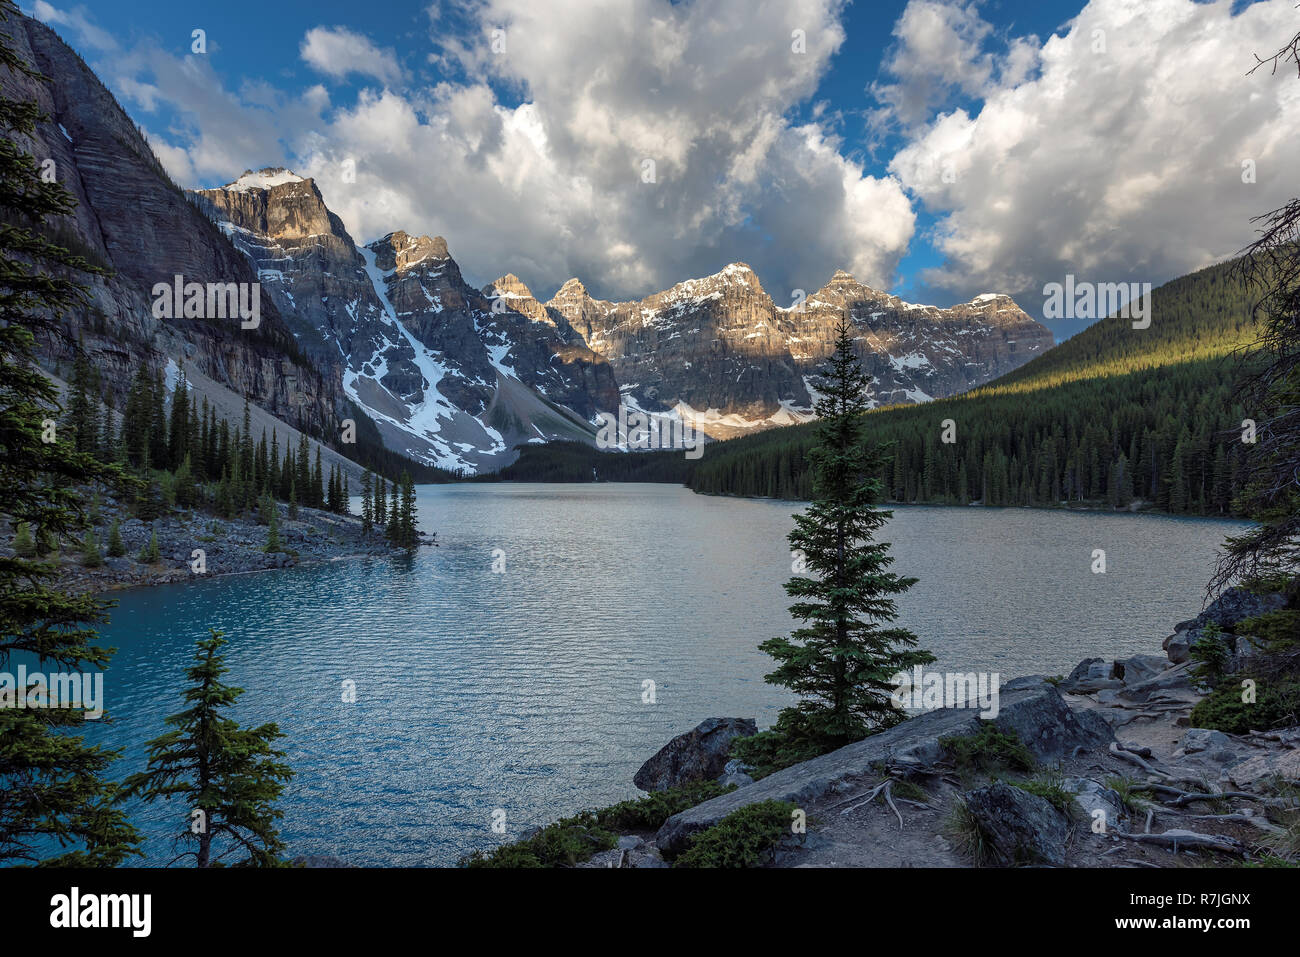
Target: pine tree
[
  {"x": 367, "y": 504},
  {"x": 273, "y": 522},
  {"x": 409, "y": 534},
  {"x": 381, "y": 508},
  {"x": 54, "y": 799},
  {"x": 179, "y": 432},
  {"x": 116, "y": 547},
  {"x": 24, "y": 543},
  {"x": 227, "y": 778},
  {"x": 842, "y": 662},
  {"x": 317, "y": 484},
  {"x": 150, "y": 553},
  {"x": 91, "y": 556}
]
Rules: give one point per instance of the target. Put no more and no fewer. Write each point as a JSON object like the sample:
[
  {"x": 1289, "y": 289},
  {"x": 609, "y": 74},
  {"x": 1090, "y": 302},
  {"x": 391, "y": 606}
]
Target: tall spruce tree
[
  {"x": 367, "y": 504},
  {"x": 229, "y": 778},
  {"x": 54, "y": 800},
  {"x": 843, "y": 660}
]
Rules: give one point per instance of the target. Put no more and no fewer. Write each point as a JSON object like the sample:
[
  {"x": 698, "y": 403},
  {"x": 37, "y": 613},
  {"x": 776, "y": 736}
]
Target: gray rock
[
  {"x": 1140, "y": 668},
  {"x": 1092, "y": 796},
  {"x": 1031, "y": 707},
  {"x": 610, "y": 858},
  {"x": 736, "y": 772},
  {"x": 1018, "y": 827},
  {"x": 1203, "y": 739},
  {"x": 630, "y": 842},
  {"x": 1170, "y": 681},
  {"x": 1231, "y": 607},
  {"x": 700, "y": 754},
  {"x": 1091, "y": 675},
  {"x": 644, "y": 857}
]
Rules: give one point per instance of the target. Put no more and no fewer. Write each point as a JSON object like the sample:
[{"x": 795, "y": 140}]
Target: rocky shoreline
[
  {"x": 193, "y": 544},
  {"x": 1115, "y": 776}
]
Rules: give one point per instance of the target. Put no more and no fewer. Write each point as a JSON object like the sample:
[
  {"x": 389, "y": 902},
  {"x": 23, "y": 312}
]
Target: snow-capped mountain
[
  {"x": 450, "y": 376},
  {"x": 718, "y": 351},
  {"x": 458, "y": 377}
]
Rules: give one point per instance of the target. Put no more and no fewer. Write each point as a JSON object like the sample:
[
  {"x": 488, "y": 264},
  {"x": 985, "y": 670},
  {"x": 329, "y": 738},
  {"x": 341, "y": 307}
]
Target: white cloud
[
  {"x": 1123, "y": 164},
  {"x": 338, "y": 52},
  {"x": 553, "y": 187}
]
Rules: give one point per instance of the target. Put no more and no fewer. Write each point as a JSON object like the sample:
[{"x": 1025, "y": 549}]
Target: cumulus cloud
[
  {"x": 534, "y": 154},
  {"x": 1120, "y": 158},
  {"x": 338, "y": 52},
  {"x": 561, "y": 183}
]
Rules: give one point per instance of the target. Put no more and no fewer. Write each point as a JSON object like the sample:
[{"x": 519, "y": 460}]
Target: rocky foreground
[
  {"x": 227, "y": 547},
  {"x": 1120, "y": 779}
]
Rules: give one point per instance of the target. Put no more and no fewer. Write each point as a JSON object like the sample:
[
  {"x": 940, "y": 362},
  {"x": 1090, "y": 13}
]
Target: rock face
[
  {"x": 1018, "y": 827},
  {"x": 721, "y": 353},
  {"x": 1031, "y": 707},
  {"x": 1233, "y": 606},
  {"x": 700, "y": 754},
  {"x": 131, "y": 219},
  {"x": 452, "y": 376}
]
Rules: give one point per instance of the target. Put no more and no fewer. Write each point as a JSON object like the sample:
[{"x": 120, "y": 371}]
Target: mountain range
[{"x": 389, "y": 333}]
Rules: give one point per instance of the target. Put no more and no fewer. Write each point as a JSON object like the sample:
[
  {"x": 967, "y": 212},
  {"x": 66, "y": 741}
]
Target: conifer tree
[
  {"x": 317, "y": 484},
  {"x": 367, "y": 503},
  {"x": 116, "y": 547},
  {"x": 843, "y": 660},
  {"x": 54, "y": 800},
  {"x": 273, "y": 522},
  {"x": 227, "y": 778},
  {"x": 91, "y": 556}
]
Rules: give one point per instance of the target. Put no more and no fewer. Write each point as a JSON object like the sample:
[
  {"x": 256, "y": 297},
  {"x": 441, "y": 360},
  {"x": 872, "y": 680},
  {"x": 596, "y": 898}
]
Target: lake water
[{"x": 522, "y": 689}]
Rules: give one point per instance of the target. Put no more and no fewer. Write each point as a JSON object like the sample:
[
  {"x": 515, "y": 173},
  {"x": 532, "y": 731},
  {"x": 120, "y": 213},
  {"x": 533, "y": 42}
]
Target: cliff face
[
  {"x": 132, "y": 220},
  {"x": 452, "y": 375},
  {"x": 718, "y": 350}
]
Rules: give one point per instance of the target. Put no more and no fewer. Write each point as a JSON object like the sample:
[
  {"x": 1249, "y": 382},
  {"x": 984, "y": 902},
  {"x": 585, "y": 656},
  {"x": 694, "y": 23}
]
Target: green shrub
[
  {"x": 1050, "y": 786},
  {"x": 650, "y": 812},
  {"x": 792, "y": 740},
  {"x": 575, "y": 839},
  {"x": 1275, "y": 631},
  {"x": 988, "y": 750},
  {"x": 566, "y": 842},
  {"x": 1276, "y": 705},
  {"x": 742, "y": 838},
  {"x": 1210, "y": 656}
]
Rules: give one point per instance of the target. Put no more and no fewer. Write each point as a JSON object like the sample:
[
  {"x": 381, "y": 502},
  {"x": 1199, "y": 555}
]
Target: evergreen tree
[
  {"x": 409, "y": 534},
  {"x": 116, "y": 547},
  {"x": 91, "y": 556},
  {"x": 179, "y": 432},
  {"x": 150, "y": 553},
  {"x": 367, "y": 503},
  {"x": 273, "y": 522},
  {"x": 381, "y": 507},
  {"x": 228, "y": 778},
  {"x": 842, "y": 662},
  {"x": 317, "y": 484},
  {"x": 52, "y": 788}
]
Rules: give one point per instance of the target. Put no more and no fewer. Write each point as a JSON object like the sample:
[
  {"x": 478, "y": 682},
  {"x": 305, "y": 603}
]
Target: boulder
[
  {"x": 736, "y": 772},
  {"x": 700, "y": 754},
  {"x": 1093, "y": 796},
  {"x": 1031, "y": 707},
  {"x": 1089, "y": 676},
  {"x": 1231, "y": 607},
  {"x": 1140, "y": 668},
  {"x": 1018, "y": 827},
  {"x": 1204, "y": 739}
]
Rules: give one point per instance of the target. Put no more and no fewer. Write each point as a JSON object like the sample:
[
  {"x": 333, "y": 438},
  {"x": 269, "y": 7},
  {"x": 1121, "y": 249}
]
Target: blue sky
[{"x": 936, "y": 148}]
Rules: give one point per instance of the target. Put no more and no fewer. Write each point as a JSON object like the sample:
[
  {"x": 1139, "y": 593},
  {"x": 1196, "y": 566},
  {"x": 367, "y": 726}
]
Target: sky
[{"x": 937, "y": 149}]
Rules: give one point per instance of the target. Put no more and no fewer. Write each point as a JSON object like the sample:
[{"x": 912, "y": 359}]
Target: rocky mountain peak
[
  {"x": 401, "y": 251},
  {"x": 265, "y": 178}
]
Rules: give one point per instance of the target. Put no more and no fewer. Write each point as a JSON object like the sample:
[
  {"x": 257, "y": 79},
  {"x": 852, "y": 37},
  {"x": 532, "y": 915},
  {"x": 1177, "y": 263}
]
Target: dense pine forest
[{"x": 1115, "y": 416}]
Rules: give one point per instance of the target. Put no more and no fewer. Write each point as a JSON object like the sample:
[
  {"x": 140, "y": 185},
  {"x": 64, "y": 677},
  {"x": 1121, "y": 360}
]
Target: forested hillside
[{"x": 1112, "y": 416}]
